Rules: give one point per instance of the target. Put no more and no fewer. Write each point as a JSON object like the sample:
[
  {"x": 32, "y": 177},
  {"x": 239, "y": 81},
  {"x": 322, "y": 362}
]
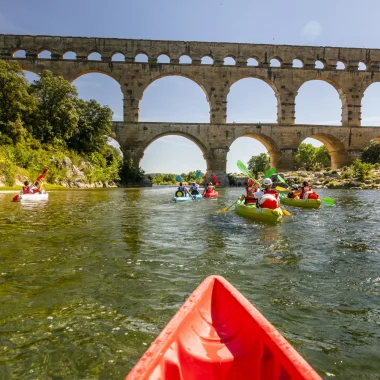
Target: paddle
[
  {"x": 225, "y": 209},
  {"x": 328, "y": 201},
  {"x": 279, "y": 188},
  {"x": 282, "y": 180},
  {"x": 245, "y": 170},
  {"x": 178, "y": 178},
  {"x": 269, "y": 172},
  {"x": 218, "y": 183},
  {"x": 197, "y": 175}
]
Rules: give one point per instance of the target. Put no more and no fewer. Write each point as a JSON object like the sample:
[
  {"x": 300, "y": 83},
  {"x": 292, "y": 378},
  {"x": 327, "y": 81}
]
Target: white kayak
[{"x": 31, "y": 197}]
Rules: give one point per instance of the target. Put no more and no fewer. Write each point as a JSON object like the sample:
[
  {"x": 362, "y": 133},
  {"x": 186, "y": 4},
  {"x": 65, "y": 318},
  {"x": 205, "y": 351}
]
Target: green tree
[
  {"x": 56, "y": 116},
  {"x": 131, "y": 174},
  {"x": 94, "y": 125},
  {"x": 371, "y": 153},
  {"x": 322, "y": 157},
  {"x": 15, "y": 102},
  {"x": 259, "y": 163},
  {"x": 306, "y": 156}
]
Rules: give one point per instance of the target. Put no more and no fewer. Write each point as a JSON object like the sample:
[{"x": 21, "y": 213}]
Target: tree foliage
[
  {"x": 310, "y": 157},
  {"x": 260, "y": 163},
  {"x": 94, "y": 124},
  {"x": 371, "y": 153},
  {"x": 56, "y": 116},
  {"x": 16, "y": 104},
  {"x": 48, "y": 116}
]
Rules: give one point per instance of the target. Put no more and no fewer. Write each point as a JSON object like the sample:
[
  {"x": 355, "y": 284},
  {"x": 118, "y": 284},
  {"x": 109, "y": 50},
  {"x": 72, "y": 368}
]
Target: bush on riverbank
[{"x": 46, "y": 124}]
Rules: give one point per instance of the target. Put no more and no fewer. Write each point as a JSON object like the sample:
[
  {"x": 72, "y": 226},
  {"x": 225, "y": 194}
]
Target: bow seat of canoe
[{"x": 219, "y": 334}]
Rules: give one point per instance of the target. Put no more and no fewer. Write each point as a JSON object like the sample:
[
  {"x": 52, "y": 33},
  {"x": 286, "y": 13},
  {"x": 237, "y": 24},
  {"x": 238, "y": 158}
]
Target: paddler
[
  {"x": 267, "y": 198},
  {"x": 194, "y": 189},
  {"x": 208, "y": 189},
  {"x": 27, "y": 188},
  {"x": 307, "y": 192},
  {"x": 183, "y": 190},
  {"x": 251, "y": 188}
]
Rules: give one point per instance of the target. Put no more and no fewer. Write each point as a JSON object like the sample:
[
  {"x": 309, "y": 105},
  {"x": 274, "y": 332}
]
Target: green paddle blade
[
  {"x": 328, "y": 201},
  {"x": 269, "y": 172},
  {"x": 281, "y": 180},
  {"x": 243, "y": 168}
]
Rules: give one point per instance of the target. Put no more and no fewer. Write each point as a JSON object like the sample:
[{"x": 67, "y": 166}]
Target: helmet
[
  {"x": 295, "y": 187},
  {"x": 267, "y": 181}
]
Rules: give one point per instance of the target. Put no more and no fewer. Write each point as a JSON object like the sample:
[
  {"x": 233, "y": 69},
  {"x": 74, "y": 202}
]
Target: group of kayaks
[{"x": 187, "y": 197}]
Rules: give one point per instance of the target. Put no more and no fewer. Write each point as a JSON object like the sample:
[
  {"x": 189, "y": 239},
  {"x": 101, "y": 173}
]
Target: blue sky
[{"x": 293, "y": 22}]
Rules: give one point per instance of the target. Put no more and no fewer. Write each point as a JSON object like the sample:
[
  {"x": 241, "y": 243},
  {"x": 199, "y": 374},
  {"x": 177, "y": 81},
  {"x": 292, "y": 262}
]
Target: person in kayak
[
  {"x": 37, "y": 189},
  {"x": 307, "y": 192},
  {"x": 194, "y": 189},
  {"x": 27, "y": 188},
  {"x": 267, "y": 198},
  {"x": 250, "y": 190},
  {"x": 208, "y": 189},
  {"x": 183, "y": 190},
  {"x": 294, "y": 192}
]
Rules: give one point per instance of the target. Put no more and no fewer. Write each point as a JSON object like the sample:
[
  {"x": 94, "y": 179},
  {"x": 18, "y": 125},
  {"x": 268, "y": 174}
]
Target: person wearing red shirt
[
  {"x": 267, "y": 198},
  {"x": 250, "y": 190},
  {"x": 307, "y": 192}
]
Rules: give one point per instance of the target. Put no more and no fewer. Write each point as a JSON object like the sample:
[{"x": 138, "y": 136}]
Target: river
[{"x": 88, "y": 279}]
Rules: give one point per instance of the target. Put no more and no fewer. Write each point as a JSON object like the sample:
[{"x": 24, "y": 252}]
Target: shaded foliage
[
  {"x": 311, "y": 157},
  {"x": 371, "y": 153}
]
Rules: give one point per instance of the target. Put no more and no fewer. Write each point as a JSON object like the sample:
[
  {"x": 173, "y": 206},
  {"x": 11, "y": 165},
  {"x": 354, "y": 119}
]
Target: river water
[{"x": 88, "y": 279}]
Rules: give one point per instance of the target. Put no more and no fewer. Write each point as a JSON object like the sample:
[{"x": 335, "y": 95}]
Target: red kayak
[
  {"x": 219, "y": 334},
  {"x": 214, "y": 194}
]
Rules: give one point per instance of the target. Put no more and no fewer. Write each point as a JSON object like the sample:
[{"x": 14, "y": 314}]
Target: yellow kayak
[
  {"x": 305, "y": 203},
  {"x": 258, "y": 214}
]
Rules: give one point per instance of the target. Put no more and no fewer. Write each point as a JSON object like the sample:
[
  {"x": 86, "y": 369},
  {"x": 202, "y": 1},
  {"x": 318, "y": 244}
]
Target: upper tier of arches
[
  {"x": 283, "y": 56},
  {"x": 209, "y": 59}
]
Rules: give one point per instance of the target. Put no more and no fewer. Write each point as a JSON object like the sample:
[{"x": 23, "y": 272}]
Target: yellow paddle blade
[
  {"x": 279, "y": 188},
  {"x": 225, "y": 209},
  {"x": 286, "y": 213}
]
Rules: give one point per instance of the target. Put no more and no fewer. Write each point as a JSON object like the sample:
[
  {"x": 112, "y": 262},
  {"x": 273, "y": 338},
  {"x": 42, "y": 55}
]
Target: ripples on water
[{"x": 89, "y": 279}]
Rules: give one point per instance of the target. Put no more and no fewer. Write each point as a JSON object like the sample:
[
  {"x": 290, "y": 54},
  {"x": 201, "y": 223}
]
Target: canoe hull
[
  {"x": 32, "y": 197},
  {"x": 258, "y": 214},
  {"x": 212, "y": 195},
  {"x": 187, "y": 199},
  {"x": 219, "y": 334},
  {"x": 304, "y": 203}
]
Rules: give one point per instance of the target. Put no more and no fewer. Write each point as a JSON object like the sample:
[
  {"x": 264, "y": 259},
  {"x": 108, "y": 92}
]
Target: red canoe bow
[{"x": 219, "y": 334}]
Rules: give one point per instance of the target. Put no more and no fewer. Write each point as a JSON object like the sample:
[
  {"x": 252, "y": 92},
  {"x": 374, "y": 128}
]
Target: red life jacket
[
  {"x": 305, "y": 189},
  {"x": 270, "y": 191},
  {"x": 26, "y": 190}
]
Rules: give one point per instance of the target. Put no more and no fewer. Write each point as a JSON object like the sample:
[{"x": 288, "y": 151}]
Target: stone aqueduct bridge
[{"x": 344, "y": 142}]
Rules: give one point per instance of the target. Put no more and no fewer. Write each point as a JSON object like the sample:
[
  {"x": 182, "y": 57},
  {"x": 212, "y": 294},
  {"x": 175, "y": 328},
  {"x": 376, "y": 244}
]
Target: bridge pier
[{"x": 216, "y": 160}]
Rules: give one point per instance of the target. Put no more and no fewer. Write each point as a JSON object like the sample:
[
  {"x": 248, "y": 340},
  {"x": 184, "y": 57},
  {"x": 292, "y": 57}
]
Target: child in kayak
[
  {"x": 250, "y": 190},
  {"x": 267, "y": 198},
  {"x": 307, "y": 192},
  {"x": 37, "y": 189},
  {"x": 27, "y": 188},
  {"x": 208, "y": 189}
]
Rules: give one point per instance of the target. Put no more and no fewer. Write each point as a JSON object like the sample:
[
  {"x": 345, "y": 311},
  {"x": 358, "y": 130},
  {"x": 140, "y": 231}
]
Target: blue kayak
[{"x": 187, "y": 198}]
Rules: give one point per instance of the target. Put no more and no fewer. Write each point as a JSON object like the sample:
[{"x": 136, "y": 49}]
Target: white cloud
[
  {"x": 8, "y": 27},
  {"x": 311, "y": 31}
]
